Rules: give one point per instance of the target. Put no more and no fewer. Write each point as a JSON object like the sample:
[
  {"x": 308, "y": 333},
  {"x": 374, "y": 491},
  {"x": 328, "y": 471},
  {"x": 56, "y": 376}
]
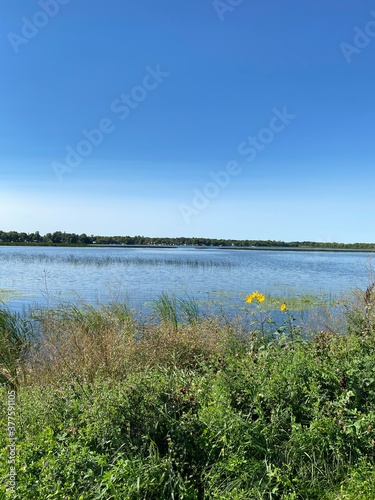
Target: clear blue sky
[{"x": 182, "y": 90}]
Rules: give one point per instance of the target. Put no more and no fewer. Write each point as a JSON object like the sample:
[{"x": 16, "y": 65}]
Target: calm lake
[{"x": 47, "y": 276}]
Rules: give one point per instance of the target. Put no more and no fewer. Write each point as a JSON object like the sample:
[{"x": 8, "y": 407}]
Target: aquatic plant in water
[
  {"x": 109, "y": 260},
  {"x": 6, "y": 295}
]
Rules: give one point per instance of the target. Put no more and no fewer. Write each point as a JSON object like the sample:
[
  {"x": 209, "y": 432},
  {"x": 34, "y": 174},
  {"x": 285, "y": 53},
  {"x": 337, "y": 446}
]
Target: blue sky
[{"x": 212, "y": 118}]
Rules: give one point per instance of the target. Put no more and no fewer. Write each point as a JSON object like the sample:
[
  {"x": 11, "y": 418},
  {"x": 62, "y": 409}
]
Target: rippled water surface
[{"x": 48, "y": 275}]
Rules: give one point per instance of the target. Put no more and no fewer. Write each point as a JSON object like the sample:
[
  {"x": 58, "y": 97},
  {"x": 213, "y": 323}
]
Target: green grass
[{"x": 186, "y": 405}]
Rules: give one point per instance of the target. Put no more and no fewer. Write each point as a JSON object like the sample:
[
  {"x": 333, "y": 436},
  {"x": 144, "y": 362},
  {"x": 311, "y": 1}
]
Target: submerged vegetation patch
[
  {"x": 7, "y": 295},
  {"x": 272, "y": 302},
  {"x": 303, "y": 301}
]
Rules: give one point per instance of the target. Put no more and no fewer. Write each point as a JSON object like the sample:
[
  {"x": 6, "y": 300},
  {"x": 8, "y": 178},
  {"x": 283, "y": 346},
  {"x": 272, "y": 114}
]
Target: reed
[
  {"x": 173, "y": 310},
  {"x": 108, "y": 260}
]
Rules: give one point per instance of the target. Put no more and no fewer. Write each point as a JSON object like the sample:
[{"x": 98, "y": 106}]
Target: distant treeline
[{"x": 62, "y": 238}]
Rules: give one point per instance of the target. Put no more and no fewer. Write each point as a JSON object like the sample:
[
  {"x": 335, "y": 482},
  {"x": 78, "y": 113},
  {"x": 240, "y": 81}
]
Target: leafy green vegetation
[
  {"x": 72, "y": 239},
  {"x": 186, "y": 405}
]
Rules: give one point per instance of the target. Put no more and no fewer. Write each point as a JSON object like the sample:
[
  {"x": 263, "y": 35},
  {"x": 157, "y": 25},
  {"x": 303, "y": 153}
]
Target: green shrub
[{"x": 198, "y": 408}]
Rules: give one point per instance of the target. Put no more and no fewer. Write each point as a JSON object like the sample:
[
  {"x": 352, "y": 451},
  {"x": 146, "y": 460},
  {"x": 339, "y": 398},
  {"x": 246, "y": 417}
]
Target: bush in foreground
[{"x": 116, "y": 408}]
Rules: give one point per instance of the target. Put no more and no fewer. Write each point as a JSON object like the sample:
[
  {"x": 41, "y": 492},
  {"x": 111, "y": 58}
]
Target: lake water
[{"x": 45, "y": 276}]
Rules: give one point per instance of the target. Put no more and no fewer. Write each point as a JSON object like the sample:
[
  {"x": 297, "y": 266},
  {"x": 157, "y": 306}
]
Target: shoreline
[{"x": 197, "y": 247}]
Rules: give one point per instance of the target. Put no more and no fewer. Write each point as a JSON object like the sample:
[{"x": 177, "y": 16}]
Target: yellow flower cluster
[
  {"x": 283, "y": 307},
  {"x": 259, "y": 297}
]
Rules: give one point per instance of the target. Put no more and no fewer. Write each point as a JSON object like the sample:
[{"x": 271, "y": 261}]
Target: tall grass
[
  {"x": 82, "y": 343},
  {"x": 172, "y": 309},
  {"x": 16, "y": 336}
]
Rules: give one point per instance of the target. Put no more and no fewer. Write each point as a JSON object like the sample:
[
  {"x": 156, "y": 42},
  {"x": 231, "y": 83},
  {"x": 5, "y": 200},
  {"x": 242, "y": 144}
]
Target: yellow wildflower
[
  {"x": 259, "y": 297},
  {"x": 283, "y": 307}
]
